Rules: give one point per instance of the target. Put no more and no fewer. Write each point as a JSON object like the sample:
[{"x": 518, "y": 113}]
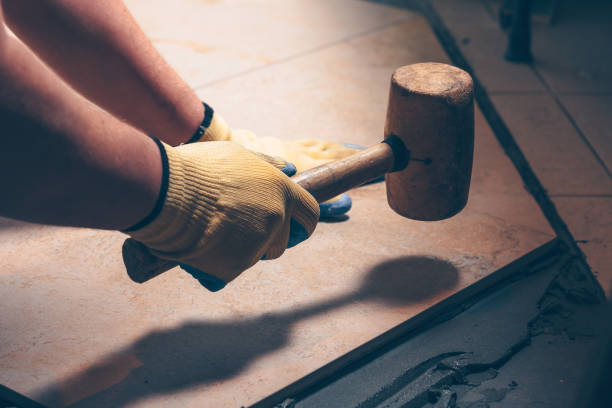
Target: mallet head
[{"x": 431, "y": 111}]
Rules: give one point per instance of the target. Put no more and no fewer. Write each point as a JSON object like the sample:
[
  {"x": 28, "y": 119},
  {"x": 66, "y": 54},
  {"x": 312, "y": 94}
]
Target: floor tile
[
  {"x": 338, "y": 93},
  {"x": 571, "y": 54},
  {"x": 574, "y": 54},
  {"x": 593, "y": 115},
  {"x": 590, "y": 221},
  {"x": 560, "y": 158},
  {"x": 494, "y": 191},
  {"x": 570, "y": 57},
  {"x": 484, "y": 45},
  {"x": 194, "y": 35},
  {"x": 76, "y": 331}
]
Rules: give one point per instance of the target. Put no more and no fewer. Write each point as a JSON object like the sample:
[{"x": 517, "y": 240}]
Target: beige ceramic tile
[
  {"x": 574, "y": 54},
  {"x": 593, "y": 114},
  {"x": 560, "y": 158},
  {"x": 483, "y": 44},
  {"x": 492, "y": 192},
  {"x": 207, "y": 40},
  {"x": 339, "y": 93},
  {"x": 590, "y": 221},
  {"x": 75, "y": 331}
]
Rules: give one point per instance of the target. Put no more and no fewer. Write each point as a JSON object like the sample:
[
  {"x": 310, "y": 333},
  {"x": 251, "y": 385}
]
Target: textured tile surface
[
  {"x": 481, "y": 41},
  {"x": 562, "y": 125},
  {"x": 574, "y": 54},
  {"x": 553, "y": 147},
  {"x": 338, "y": 93},
  {"x": 571, "y": 54},
  {"x": 593, "y": 114},
  {"x": 590, "y": 220},
  {"x": 75, "y": 331},
  {"x": 195, "y": 35}
]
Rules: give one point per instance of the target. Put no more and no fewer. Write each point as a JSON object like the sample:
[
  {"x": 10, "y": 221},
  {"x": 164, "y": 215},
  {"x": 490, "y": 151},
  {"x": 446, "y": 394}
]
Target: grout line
[
  {"x": 463, "y": 299},
  {"x": 534, "y": 92},
  {"x": 306, "y": 52},
  {"x": 549, "y": 90},
  {"x": 582, "y": 195},
  {"x": 571, "y": 120},
  {"x": 503, "y": 134},
  {"x": 588, "y": 93},
  {"x": 442, "y": 311}
]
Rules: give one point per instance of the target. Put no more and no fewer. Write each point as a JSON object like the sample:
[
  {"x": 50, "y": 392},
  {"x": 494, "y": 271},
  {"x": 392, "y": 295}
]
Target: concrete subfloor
[
  {"x": 534, "y": 340},
  {"x": 74, "y": 329}
]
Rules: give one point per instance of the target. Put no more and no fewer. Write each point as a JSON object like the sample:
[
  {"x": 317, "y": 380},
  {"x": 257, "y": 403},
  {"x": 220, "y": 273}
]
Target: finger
[
  {"x": 243, "y": 136},
  {"x": 306, "y": 209},
  {"x": 289, "y": 169},
  {"x": 278, "y": 162},
  {"x": 210, "y": 282},
  {"x": 337, "y": 206},
  {"x": 297, "y": 234},
  {"x": 279, "y": 243}
]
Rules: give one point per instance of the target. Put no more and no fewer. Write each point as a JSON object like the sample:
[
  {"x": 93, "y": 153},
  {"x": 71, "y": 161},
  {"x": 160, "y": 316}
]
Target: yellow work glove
[
  {"x": 304, "y": 154},
  {"x": 224, "y": 209}
]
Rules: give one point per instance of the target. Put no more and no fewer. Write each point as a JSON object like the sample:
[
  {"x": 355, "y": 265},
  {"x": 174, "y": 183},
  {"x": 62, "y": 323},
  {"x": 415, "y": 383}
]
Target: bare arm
[
  {"x": 98, "y": 48},
  {"x": 63, "y": 160}
]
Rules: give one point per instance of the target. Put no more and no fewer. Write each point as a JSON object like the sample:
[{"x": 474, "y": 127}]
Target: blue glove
[{"x": 335, "y": 208}]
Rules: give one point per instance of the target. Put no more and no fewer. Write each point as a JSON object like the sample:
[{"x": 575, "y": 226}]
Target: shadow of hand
[{"x": 204, "y": 352}]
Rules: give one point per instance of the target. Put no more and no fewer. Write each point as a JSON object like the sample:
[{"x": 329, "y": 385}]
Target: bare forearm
[
  {"x": 101, "y": 51},
  {"x": 63, "y": 160}
]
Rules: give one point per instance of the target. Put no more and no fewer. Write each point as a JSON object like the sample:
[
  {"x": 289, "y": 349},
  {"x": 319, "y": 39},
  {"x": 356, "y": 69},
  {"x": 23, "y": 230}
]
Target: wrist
[
  {"x": 188, "y": 193},
  {"x": 212, "y": 128},
  {"x": 161, "y": 198},
  {"x": 204, "y": 125}
]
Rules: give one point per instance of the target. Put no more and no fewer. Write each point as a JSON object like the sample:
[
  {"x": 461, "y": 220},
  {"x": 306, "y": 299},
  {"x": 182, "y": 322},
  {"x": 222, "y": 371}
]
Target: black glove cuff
[
  {"x": 208, "y": 115},
  {"x": 162, "y": 191}
]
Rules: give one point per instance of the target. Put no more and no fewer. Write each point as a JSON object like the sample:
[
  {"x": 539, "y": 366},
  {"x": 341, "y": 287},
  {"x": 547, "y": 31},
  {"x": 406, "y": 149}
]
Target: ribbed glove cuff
[
  {"x": 188, "y": 204},
  {"x": 212, "y": 128}
]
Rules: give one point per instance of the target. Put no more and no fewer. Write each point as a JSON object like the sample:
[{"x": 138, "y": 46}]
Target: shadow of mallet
[{"x": 430, "y": 122}]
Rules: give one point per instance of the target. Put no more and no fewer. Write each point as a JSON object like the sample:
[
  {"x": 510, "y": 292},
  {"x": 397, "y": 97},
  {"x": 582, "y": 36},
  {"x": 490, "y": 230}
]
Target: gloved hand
[
  {"x": 304, "y": 154},
  {"x": 225, "y": 208}
]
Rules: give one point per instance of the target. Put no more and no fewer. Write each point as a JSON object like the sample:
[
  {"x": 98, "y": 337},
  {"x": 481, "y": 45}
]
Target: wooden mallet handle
[{"x": 323, "y": 182}]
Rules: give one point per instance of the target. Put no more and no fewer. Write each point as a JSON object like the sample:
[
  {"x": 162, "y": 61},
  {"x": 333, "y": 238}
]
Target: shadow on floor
[
  {"x": 204, "y": 352},
  {"x": 10, "y": 224}
]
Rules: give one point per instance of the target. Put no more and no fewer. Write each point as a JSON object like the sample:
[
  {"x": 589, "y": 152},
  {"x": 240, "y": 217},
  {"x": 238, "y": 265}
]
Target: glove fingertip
[
  {"x": 289, "y": 169},
  {"x": 273, "y": 253},
  {"x": 307, "y": 212},
  {"x": 277, "y": 248},
  {"x": 335, "y": 208},
  {"x": 210, "y": 282},
  {"x": 278, "y": 162},
  {"x": 297, "y": 234}
]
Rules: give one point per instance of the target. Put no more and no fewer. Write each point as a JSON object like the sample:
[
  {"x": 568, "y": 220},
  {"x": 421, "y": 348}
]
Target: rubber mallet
[{"x": 426, "y": 156}]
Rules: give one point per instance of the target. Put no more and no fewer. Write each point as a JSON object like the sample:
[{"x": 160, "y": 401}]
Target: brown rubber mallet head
[
  {"x": 431, "y": 111},
  {"x": 426, "y": 156}
]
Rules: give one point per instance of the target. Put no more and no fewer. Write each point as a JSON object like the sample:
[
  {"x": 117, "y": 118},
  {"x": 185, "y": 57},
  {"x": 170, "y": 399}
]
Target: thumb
[
  {"x": 306, "y": 209},
  {"x": 278, "y": 162}
]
